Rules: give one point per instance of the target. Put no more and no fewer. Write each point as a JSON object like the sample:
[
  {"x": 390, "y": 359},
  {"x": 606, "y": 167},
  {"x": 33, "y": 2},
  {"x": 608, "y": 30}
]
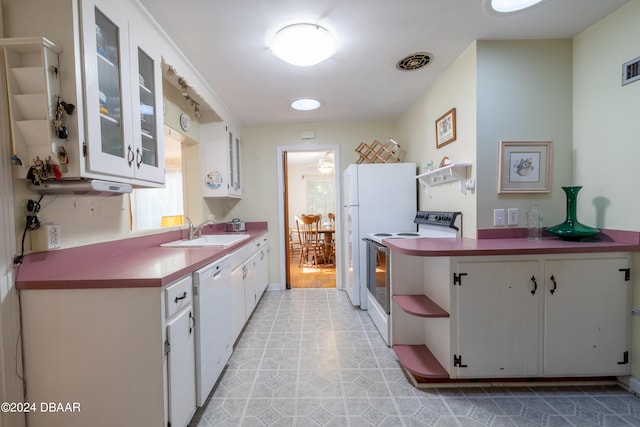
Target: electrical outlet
[
  {"x": 211, "y": 217},
  {"x": 498, "y": 218},
  {"x": 46, "y": 237},
  {"x": 53, "y": 233},
  {"x": 512, "y": 216}
]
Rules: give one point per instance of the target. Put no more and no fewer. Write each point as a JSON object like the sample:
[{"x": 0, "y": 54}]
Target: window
[
  {"x": 321, "y": 196},
  {"x": 150, "y": 205}
]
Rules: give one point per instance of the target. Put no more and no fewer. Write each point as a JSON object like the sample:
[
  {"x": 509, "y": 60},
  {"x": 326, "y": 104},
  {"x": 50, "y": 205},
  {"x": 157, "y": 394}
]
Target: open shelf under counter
[
  {"x": 420, "y": 305},
  {"x": 418, "y": 360}
]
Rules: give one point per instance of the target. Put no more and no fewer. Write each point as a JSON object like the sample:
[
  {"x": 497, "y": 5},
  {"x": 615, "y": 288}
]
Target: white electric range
[{"x": 378, "y": 268}]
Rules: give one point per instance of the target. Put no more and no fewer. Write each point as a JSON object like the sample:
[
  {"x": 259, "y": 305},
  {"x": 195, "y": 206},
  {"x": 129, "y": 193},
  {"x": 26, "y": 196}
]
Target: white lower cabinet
[
  {"x": 587, "y": 317},
  {"x": 125, "y": 355},
  {"x": 249, "y": 277},
  {"x": 238, "y": 312},
  {"x": 262, "y": 266},
  {"x": 497, "y": 310},
  {"x": 560, "y": 315},
  {"x": 249, "y": 284},
  {"x": 180, "y": 351}
]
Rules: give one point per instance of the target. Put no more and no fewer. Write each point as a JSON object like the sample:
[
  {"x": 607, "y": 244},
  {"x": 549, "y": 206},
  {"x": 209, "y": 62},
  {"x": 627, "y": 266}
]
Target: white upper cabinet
[
  {"x": 221, "y": 169},
  {"x": 123, "y": 88},
  {"x": 147, "y": 108}
]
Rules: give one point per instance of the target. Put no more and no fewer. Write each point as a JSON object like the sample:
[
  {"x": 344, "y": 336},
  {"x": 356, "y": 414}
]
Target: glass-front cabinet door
[
  {"x": 123, "y": 83},
  {"x": 147, "y": 119},
  {"x": 106, "y": 60}
]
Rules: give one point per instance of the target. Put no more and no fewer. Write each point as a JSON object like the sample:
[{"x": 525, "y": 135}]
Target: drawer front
[{"x": 179, "y": 295}]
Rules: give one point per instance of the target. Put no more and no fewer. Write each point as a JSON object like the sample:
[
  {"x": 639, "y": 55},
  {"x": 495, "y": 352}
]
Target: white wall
[
  {"x": 524, "y": 94},
  {"x": 11, "y": 387},
  {"x": 607, "y": 133},
  {"x": 456, "y": 88}
]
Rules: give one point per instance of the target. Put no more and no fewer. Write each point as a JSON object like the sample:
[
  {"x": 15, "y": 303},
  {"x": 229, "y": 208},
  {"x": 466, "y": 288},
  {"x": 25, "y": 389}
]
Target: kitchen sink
[{"x": 216, "y": 240}]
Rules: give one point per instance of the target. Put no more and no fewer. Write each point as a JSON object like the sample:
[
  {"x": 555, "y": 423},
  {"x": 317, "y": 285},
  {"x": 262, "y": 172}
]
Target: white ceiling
[{"x": 227, "y": 42}]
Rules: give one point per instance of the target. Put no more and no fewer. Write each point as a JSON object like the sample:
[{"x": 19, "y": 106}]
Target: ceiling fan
[
  {"x": 326, "y": 164},
  {"x": 321, "y": 161}
]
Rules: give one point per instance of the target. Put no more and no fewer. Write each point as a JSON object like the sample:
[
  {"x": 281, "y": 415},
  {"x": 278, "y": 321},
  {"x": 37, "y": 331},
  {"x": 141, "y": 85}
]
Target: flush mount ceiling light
[
  {"x": 306, "y": 104},
  {"x": 303, "y": 44},
  {"x": 510, "y": 6}
]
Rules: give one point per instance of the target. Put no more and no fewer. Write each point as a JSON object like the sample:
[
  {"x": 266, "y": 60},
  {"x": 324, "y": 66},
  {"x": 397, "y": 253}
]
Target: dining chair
[
  {"x": 311, "y": 247},
  {"x": 331, "y": 242},
  {"x": 295, "y": 242}
]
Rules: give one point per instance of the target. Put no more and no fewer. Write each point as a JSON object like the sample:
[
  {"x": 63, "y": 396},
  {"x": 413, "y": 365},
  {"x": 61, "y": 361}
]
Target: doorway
[{"x": 309, "y": 181}]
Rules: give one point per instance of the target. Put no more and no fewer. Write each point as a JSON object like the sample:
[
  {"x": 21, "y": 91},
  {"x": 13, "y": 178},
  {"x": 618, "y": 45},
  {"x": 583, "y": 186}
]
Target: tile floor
[{"x": 307, "y": 358}]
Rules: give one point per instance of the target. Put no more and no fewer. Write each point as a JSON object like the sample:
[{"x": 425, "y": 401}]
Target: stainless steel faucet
[{"x": 195, "y": 232}]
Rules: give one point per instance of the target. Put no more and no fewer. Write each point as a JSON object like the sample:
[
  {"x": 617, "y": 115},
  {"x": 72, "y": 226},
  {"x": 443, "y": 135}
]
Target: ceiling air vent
[
  {"x": 631, "y": 71},
  {"x": 414, "y": 61}
]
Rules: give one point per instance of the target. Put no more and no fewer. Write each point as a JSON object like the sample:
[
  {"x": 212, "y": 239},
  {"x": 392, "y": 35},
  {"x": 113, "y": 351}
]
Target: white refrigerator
[{"x": 378, "y": 197}]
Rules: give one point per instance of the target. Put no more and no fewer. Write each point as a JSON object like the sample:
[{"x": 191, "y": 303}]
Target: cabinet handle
[
  {"x": 138, "y": 157},
  {"x": 184, "y": 295},
  {"x": 555, "y": 285},
  {"x": 130, "y": 155},
  {"x": 192, "y": 322},
  {"x": 535, "y": 285}
]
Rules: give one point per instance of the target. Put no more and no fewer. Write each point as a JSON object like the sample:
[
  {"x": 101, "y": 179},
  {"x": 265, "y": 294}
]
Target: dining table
[{"x": 328, "y": 239}]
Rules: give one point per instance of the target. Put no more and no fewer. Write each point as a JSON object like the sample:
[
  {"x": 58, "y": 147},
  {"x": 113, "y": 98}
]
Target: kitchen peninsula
[
  {"x": 512, "y": 308},
  {"x": 113, "y": 326}
]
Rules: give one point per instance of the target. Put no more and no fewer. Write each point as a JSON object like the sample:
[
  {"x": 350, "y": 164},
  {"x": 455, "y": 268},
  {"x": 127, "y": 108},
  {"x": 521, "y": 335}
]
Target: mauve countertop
[
  {"x": 136, "y": 262},
  {"x": 495, "y": 243}
]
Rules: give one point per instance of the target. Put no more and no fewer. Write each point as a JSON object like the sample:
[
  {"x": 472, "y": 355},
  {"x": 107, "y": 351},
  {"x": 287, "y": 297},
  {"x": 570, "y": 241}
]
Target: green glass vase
[{"x": 571, "y": 229}]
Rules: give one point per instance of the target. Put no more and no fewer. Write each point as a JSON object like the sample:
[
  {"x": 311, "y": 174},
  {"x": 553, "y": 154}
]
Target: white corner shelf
[{"x": 450, "y": 173}]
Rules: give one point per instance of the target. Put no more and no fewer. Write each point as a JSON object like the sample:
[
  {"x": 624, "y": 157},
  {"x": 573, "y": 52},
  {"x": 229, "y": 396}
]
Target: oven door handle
[{"x": 377, "y": 246}]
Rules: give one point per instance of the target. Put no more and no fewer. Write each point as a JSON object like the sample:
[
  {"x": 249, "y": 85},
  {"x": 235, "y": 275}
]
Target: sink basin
[{"x": 215, "y": 240}]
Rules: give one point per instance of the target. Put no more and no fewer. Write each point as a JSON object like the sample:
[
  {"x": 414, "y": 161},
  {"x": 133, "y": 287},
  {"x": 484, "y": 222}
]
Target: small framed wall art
[
  {"x": 524, "y": 167},
  {"x": 446, "y": 128}
]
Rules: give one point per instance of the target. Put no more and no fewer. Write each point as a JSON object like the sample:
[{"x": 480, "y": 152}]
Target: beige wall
[
  {"x": 606, "y": 133},
  {"x": 606, "y": 125},
  {"x": 259, "y": 160},
  {"x": 456, "y": 88},
  {"x": 524, "y": 94}
]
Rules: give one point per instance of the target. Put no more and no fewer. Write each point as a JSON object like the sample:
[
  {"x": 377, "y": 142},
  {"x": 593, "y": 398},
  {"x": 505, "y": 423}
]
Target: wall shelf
[
  {"x": 450, "y": 173},
  {"x": 33, "y": 88}
]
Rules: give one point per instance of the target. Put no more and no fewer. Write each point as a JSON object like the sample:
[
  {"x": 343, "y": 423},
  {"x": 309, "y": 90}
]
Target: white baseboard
[{"x": 634, "y": 385}]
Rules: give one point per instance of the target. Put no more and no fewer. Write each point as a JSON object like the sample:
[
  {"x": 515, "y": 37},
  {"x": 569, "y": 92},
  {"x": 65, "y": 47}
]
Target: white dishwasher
[{"x": 212, "y": 303}]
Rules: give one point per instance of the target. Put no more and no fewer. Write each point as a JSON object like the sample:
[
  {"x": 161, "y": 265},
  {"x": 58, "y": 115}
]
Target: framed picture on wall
[
  {"x": 524, "y": 167},
  {"x": 446, "y": 128}
]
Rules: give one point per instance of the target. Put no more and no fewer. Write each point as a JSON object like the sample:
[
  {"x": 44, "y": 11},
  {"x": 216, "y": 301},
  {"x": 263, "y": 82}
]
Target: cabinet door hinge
[
  {"x": 167, "y": 347},
  {"x": 627, "y": 274},
  {"x": 457, "y": 278},
  {"x": 457, "y": 361},
  {"x": 625, "y": 358},
  {"x": 84, "y": 149}
]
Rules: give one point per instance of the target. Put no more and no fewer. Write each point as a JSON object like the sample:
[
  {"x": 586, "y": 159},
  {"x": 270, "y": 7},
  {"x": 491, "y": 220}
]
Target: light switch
[{"x": 512, "y": 216}]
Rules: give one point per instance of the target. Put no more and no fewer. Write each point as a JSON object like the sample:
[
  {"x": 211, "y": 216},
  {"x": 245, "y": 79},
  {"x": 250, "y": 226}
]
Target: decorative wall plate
[
  {"x": 185, "y": 122},
  {"x": 213, "y": 180}
]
